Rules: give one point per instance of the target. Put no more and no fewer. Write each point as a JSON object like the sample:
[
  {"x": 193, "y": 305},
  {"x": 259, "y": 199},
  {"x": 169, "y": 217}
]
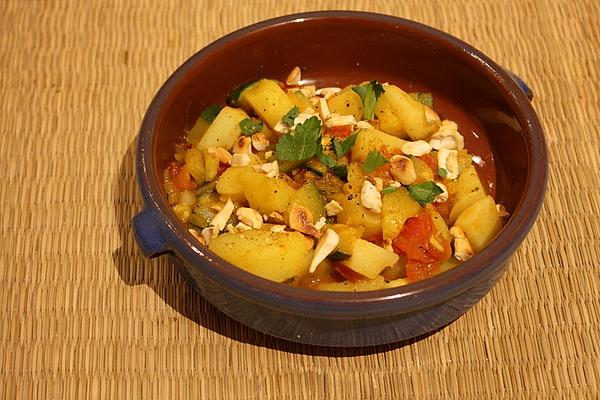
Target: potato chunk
[
  {"x": 368, "y": 259},
  {"x": 397, "y": 207},
  {"x": 268, "y": 101},
  {"x": 266, "y": 194},
  {"x": 346, "y": 102},
  {"x": 469, "y": 190},
  {"x": 277, "y": 256},
  {"x": 401, "y": 115},
  {"x": 480, "y": 222},
  {"x": 369, "y": 140},
  {"x": 224, "y": 130}
]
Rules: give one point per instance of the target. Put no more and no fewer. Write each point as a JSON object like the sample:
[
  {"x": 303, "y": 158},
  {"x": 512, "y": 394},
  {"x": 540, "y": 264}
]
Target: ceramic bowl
[{"x": 338, "y": 48}]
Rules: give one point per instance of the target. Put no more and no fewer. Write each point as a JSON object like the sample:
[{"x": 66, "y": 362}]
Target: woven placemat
[{"x": 84, "y": 315}]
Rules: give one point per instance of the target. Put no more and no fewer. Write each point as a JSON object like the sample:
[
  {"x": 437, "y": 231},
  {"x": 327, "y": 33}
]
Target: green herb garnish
[
  {"x": 442, "y": 172},
  {"x": 325, "y": 159},
  {"x": 389, "y": 189},
  {"x": 211, "y": 112},
  {"x": 369, "y": 93},
  {"x": 373, "y": 161},
  {"x": 343, "y": 147},
  {"x": 250, "y": 126},
  {"x": 341, "y": 171},
  {"x": 423, "y": 98},
  {"x": 290, "y": 116},
  {"x": 425, "y": 192},
  {"x": 303, "y": 143}
]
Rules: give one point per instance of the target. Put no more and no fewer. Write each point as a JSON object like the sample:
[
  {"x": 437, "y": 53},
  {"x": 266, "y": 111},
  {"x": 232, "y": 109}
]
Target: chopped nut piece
[
  {"x": 327, "y": 92},
  {"x": 448, "y": 160},
  {"x": 462, "y": 248},
  {"x": 241, "y": 227},
  {"x": 260, "y": 141},
  {"x": 320, "y": 223},
  {"x": 333, "y": 208},
  {"x": 243, "y": 145},
  {"x": 276, "y": 217},
  {"x": 402, "y": 168},
  {"x": 442, "y": 197},
  {"x": 197, "y": 236},
  {"x": 447, "y": 137},
  {"x": 363, "y": 125},
  {"x": 269, "y": 154},
  {"x": 294, "y": 77},
  {"x": 324, "y": 108},
  {"x": 270, "y": 169},
  {"x": 277, "y": 228},
  {"x": 301, "y": 219},
  {"x": 240, "y": 160},
  {"x": 250, "y": 217},
  {"x": 209, "y": 234},
  {"x": 340, "y": 120},
  {"x": 302, "y": 117},
  {"x": 370, "y": 197},
  {"x": 222, "y": 155},
  {"x": 308, "y": 90},
  {"x": 326, "y": 245},
  {"x": 417, "y": 148},
  {"x": 281, "y": 128},
  {"x": 378, "y": 182},
  {"x": 219, "y": 221}
]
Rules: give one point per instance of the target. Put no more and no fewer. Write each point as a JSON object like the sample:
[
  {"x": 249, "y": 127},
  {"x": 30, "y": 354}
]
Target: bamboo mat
[{"x": 83, "y": 315}]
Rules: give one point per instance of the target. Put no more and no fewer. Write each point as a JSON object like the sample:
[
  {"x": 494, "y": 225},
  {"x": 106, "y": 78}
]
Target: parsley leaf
[
  {"x": 303, "y": 143},
  {"x": 369, "y": 93},
  {"x": 425, "y": 192},
  {"x": 211, "y": 112},
  {"x": 423, "y": 98},
  {"x": 341, "y": 171},
  {"x": 290, "y": 116},
  {"x": 338, "y": 256},
  {"x": 325, "y": 159},
  {"x": 250, "y": 126},
  {"x": 389, "y": 189},
  {"x": 373, "y": 161},
  {"x": 343, "y": 147},
  {"x": 442, "y": 172}
]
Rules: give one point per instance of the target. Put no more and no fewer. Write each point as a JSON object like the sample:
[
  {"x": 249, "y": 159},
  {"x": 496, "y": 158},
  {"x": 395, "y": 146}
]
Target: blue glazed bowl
[{"x": 338, "y": 48}]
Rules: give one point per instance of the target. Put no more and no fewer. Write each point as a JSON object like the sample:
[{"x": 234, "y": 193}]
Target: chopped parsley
[
  {"x": 442, "y": 172},
  {"x": 250, "y": 126},
  {"x": 290, "y": 116},
  {"x": 423, "y": 98},
  {"x": 343, "y": 147},
  {"x": 369, "y": 93},
  {"x": 341, "y": 171},
  {"x": 389, "y": 189},
  {"x": 425, "y": 192},
  {"x": 303, "y": 143},
  {"x": 373, "y": 161},
  {"x": 211, "y": 112}
]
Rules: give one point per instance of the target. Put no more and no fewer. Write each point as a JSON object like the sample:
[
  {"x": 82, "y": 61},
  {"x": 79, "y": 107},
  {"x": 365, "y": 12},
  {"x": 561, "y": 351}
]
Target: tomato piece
[
  {"x": 181, "y": 178},
  {"x": 431, "y": 161},
  {"x": 340, "y": 132},
  {"x": 421, "y": 245}
]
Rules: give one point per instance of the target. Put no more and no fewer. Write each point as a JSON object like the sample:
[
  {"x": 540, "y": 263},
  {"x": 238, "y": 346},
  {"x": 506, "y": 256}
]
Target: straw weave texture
[{"x": 84, "y": 315}]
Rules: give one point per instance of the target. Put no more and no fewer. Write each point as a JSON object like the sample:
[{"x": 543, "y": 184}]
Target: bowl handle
[
  {"x": 521, "y": 83},
  {"x": 146, "y": 229}
]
